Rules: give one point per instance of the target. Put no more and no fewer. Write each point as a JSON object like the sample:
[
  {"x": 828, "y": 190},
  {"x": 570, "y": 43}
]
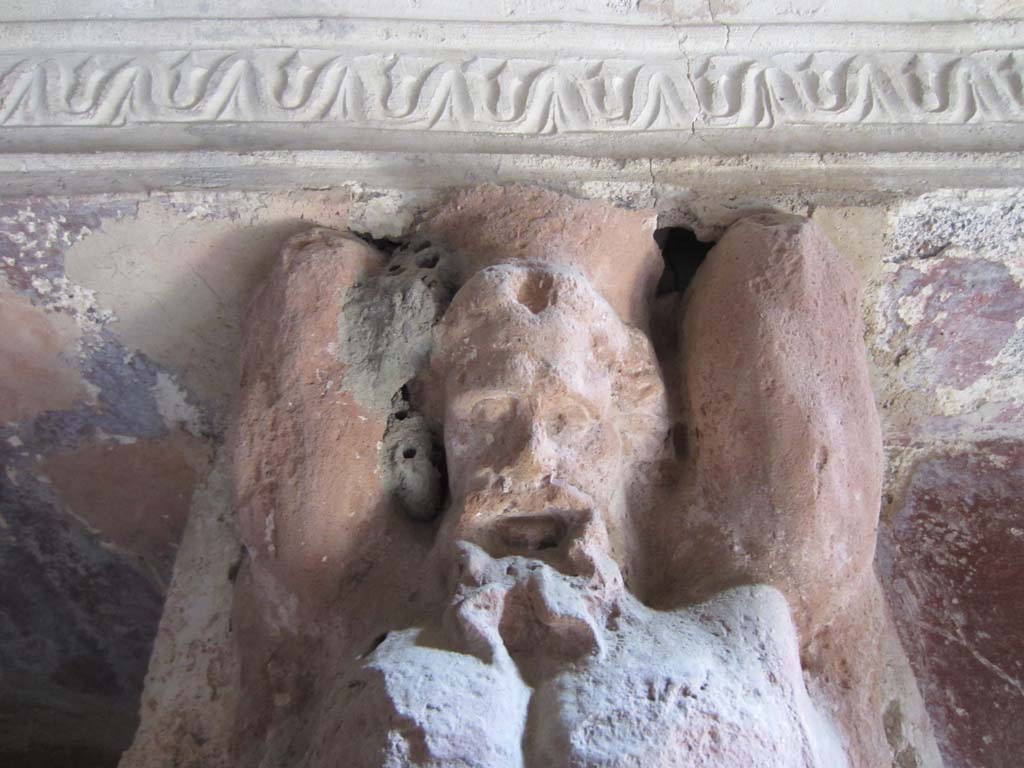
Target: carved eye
[{"x": 568, "y": 420}]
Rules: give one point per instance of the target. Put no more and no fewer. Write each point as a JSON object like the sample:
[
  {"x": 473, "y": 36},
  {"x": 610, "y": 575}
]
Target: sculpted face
[
  {"x": 539, "y": 649},
  {"x": 537, "y": 394}
]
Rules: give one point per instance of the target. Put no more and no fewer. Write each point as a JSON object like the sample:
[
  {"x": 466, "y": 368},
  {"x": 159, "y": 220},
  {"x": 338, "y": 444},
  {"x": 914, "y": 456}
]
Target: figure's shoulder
[
  {"x": 409, "y": 697},
  {"x": 760, "y": 600},
  {"x": 756, "y": 614}
]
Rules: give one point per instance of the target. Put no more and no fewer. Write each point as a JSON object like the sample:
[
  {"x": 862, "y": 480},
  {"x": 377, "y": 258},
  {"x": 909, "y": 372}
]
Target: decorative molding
[
  {"x": 862, "y": 176},
  {"x": 528, "y": 96},
  {"x": 639, "y": 88}
]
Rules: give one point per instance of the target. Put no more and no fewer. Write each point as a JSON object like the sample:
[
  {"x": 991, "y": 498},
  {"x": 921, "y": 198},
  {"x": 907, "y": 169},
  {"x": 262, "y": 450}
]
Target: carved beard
[{"x": 523, "y": 608}]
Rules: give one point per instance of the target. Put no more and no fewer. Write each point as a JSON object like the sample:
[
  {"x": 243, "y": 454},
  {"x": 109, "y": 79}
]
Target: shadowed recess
[{"x": 683, "y": 254}]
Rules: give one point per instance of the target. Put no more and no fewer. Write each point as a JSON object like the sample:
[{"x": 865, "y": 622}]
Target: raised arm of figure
[{"x": 787, "y": 439}]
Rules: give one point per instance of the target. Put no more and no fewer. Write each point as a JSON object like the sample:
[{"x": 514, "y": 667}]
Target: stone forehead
[{"x": 517, "y": 300}]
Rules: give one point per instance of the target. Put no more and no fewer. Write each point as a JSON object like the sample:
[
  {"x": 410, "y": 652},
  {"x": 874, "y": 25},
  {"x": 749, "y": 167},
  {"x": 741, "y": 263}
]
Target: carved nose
[{"x": 535, "y": 457}]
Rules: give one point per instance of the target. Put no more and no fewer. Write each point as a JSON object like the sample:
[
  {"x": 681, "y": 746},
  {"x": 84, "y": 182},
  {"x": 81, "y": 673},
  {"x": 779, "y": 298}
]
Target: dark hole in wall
[
  {"x": 385, "y": 245},
  {"x": 441, "y": 463},
  {"x": 683, "y": 254}
]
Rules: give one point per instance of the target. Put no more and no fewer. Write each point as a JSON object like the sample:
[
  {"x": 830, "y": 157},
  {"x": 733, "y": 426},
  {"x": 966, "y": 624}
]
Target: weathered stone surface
[
  {"x": 955, "y": 327},
  {"x": 558, "y": 440},
  {"x": 131, "y": 395},
  {"x": 299, "y": 459},
  {"x": 613, "y": 683},
  {"x": 788, "y": 455},
  {"x": 121, "y": 321},
  {"x": 424, "y": 92},
  {"x": 857, "y": 665},
  {"x": 787, "y": 465},
  {"x": 958, "y": 331},
  {"x": 177, "y": 275},
  {"x": 950, "y": 318},
  {"x": 330, "y": 561},
  {"x": 76, "y": 626},
  {"x": 78, "y": 612},
  {"x": 950, "y": 558},
  {"x": 948, "y": 313},
  {"x": 612, "y": 247},
  {"x": 551, "y": 406}
]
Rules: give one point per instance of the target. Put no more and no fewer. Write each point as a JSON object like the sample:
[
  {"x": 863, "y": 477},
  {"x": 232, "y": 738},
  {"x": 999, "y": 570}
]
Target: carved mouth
[{"x": 531, "y": 533}]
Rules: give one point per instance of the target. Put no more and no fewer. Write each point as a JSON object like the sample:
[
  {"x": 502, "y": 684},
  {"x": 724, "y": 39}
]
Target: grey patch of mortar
[
  {"x": 385, "y": 329},
  {"x": 411, "y": 462}
]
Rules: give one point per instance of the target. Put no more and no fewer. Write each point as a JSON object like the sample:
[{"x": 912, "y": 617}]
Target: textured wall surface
[
  {"x": 120, "y": 323},
  {"x": 950, "y": 354},
  {"x": 121, "y": 319}
]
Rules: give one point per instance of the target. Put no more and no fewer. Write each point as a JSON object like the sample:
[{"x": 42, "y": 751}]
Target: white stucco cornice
[{"x": 126, "y": 80}]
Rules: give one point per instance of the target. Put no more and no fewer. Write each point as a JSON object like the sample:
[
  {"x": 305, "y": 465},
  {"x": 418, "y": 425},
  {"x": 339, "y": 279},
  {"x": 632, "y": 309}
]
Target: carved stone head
[{"x": 550, "y": 403}]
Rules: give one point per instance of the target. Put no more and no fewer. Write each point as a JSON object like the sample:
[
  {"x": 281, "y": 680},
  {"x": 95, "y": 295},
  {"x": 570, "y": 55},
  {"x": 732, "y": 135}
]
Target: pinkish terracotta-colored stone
[
  {"x": 788, "y": 445},
  {"x": 446, "y": 508},
  {"x": 551, "y": 406},
  {"x": 298, "y": 464},
  {"x": 786, "y": 471},
  {"x": 614, "y": 248},
  {"x": 539, "y": 655},
  {"x": 329, "y": 560}
]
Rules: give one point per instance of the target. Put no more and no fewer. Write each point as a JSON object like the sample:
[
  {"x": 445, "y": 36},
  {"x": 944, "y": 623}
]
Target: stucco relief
[
  {"x": 505, "y": 94},
  {"x": 628, "y": 533},
  {"x": 260, "y": 96}
]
